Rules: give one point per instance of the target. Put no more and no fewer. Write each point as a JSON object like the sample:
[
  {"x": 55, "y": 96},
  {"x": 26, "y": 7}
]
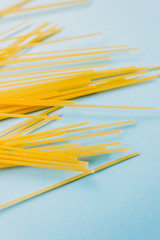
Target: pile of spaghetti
[{"x": 29, "y": 86}]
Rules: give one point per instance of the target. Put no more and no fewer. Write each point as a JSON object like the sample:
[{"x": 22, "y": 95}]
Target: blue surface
[{"x": 121, "y": 202}]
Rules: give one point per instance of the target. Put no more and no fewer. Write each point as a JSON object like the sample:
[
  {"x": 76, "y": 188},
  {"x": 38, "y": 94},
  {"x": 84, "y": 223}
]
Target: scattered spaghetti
[{"x": 30, "y": 89}]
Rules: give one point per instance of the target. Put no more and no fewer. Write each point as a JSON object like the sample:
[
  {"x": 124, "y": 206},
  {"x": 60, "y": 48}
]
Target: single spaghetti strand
[
  {"x": 63, "y": 39},
  {"x": 69, "y": 50},
  {"x": 113, "y": 107},
  {"x": 69, "y": 180},
  {"x": 16, "y": 8}
]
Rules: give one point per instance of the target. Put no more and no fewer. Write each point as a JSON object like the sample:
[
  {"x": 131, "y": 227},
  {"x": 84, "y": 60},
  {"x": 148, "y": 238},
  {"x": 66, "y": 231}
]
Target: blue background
[{"x": 121, "y": 202}]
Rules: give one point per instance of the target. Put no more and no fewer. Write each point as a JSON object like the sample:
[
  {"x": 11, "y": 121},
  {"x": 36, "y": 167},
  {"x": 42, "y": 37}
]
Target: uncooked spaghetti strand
[
  {"x": 107, "y": 88},
  {"x": 69, "y": 50},
  {"x": 64, "y": 182},
  {"x": 53, "y": 57},
  {"x": 40, "y": 165},
  {"x": 27, "y": 127},
  {"x": 14, "y": 9},
  {"x": 56, "y": 147},
  {"x": 33, "y": 127},
  {"x": 64, "y": 130},
  {"x": 54, "y": 70},
  {"x": 18, "y": 154},
  {"x": 66, "y": 146},
  {"x": 13, "y": 127},
  {"x": 32, "y": 43},
  {"x": 43, "y": 77},
  {"x": 153, "y": 68},
  {"x": 48, "y": 86},
  {"x": 101, "y": 152},
  {"x": 55, "y": 132},
  {"x": 68, "y": 82},
  {"x": 30, "y": 35},
  {"x": 62, "y": 39},
  {"x": 28, "y": 45},
  {"x": 46, "y": 158},
  {"x": 84, "y": 149},
  {"x": 18, "y": 128},
  {"x": 56, "y": 63},
  {"x": 14, "y": 47},
  {"x": 115, "y": 107},
  {"x": 104, "y": 76},
  {"x": 27, "y": 144},
  {"x": 57, "y": 81},
  {"x": 127, "y": 83}
]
